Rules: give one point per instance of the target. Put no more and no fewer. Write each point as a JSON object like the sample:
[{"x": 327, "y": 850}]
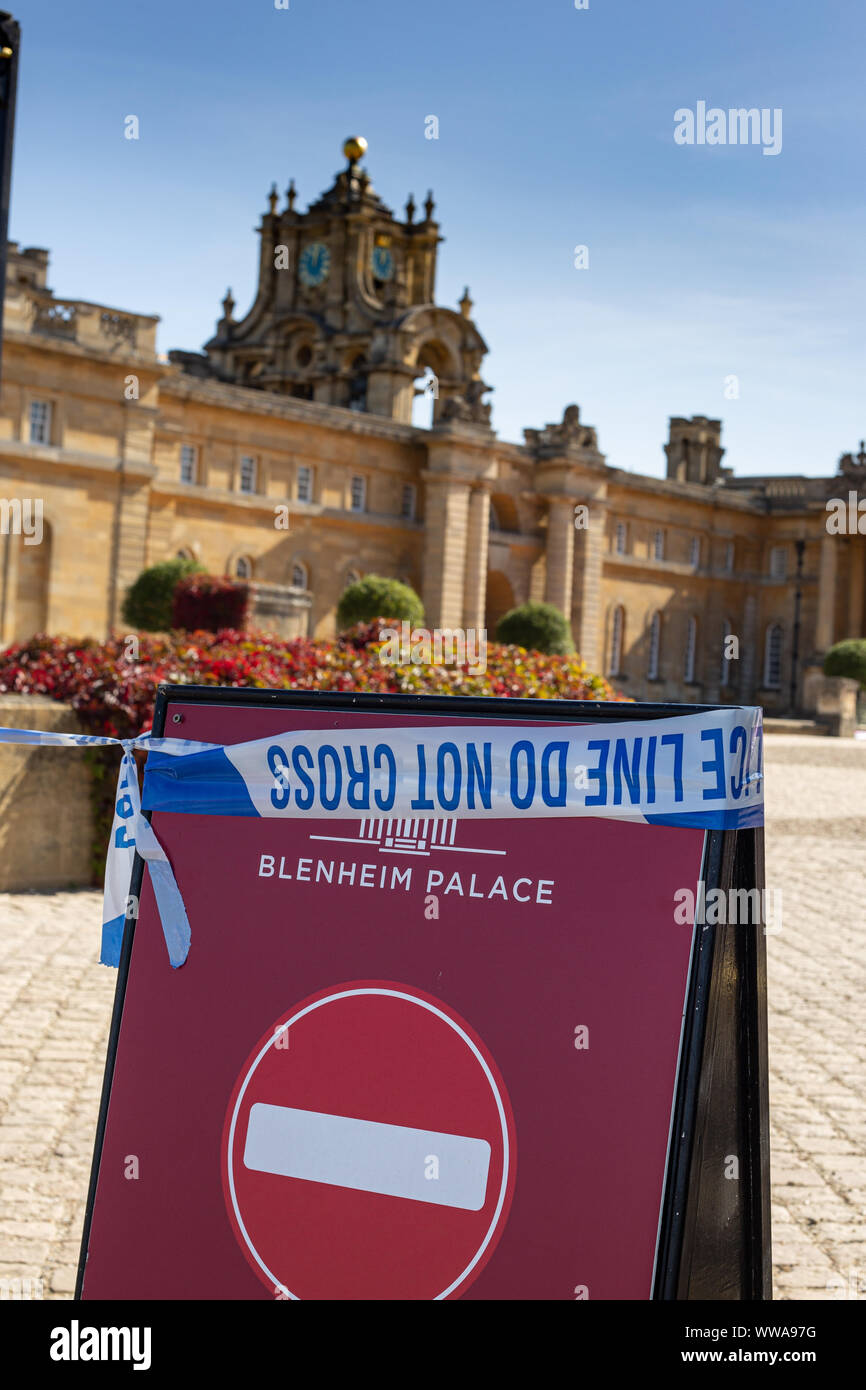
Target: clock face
[
  {"x": 314, "y": 264},
  {"x": 382, "y": 263}
]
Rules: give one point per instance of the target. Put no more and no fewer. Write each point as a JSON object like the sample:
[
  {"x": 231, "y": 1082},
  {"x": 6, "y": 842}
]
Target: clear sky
[{"x": 556, "y": 129}]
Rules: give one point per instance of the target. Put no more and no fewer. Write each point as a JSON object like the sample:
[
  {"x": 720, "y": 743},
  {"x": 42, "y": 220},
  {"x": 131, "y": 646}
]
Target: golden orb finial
[{"x": 354, "y": 148}]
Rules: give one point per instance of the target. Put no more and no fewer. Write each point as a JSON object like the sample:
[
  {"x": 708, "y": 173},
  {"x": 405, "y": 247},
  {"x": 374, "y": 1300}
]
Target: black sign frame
[{"x": 714, "y": 1233}]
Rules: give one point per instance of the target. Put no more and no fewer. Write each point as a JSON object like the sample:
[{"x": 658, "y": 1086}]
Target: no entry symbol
[{"x": 368, "y": 1150}]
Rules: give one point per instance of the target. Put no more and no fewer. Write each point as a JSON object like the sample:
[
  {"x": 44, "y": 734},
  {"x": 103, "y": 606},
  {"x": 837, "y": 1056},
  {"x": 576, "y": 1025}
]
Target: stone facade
[{"x": 285, "y": 452}]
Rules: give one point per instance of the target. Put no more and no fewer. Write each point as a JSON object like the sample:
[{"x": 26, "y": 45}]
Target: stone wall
[{"x": 46, "y": 821}]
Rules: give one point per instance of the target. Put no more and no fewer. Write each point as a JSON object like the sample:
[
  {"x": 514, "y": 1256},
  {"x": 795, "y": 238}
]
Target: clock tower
[{"x": 345, "y": 309}]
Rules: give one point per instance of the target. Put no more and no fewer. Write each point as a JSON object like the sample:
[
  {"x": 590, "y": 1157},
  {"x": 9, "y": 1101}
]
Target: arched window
[
  {"x": 358, "y": 384},
  {"x": 691, "y": 650},
  {"x": 655, "y": 641},
  {"x": 352, "y": 577},
  {"x": 185, "y": 554},
  {"x": 617, "y": 632},
  {"x": 243, "y": 567},
  {"x": 299, "y": 575},
  {"x": 725, "y": 669},
  {"x": 773, "y": 657}
]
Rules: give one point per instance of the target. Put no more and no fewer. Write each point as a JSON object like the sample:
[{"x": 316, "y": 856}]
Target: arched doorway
[
  {"x": 500, "y": 598},
  {"x": 433, "y": 366}
]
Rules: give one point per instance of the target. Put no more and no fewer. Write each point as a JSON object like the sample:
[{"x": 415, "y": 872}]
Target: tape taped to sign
[{"x": 703, "y": 770}]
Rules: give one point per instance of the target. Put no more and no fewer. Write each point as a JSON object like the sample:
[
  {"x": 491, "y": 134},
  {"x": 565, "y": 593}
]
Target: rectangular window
[
  {"x": 729, "y": 557},
  {"x": 305, "y": 483},
  {"x": 248, "y": 473},
  {"x": 695, "y": 552},
  {"x": 40, "y": 422},
  {"x": 659, "y": 545},
  {"x": 359, "y": 494},
  {"x": 620, "y": 538},
  {"x": 407, "y": 502},
  {"x": 773, "y": 657},
  {"x": 188, "y": 463},
  {"x": 778, "y": 561}
]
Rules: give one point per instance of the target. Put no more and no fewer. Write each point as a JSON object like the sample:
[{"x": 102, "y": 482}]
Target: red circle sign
[{"x": 368, "y": 1149}]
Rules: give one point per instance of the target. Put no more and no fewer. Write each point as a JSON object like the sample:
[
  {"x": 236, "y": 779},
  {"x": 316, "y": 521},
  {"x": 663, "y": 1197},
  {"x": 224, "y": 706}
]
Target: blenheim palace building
[{"x": 284, "y": 452}]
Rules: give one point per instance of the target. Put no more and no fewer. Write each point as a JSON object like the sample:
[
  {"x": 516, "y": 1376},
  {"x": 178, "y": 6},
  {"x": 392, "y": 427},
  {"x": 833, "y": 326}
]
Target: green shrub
[
  {"x": 377, "y": 597},
  {"x": 148, "y": 603},
  {"x": 847, "y": 659},
  {"x": 539, "y": 627}
]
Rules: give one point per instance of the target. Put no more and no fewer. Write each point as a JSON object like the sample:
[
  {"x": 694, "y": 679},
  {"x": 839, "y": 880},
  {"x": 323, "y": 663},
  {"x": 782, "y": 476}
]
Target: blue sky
[{"x": 555, "y": 130}]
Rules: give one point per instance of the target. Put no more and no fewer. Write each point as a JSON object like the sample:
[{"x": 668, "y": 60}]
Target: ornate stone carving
[
  {"x": 119, "y": 327},
  {"x": 58, "y": 320},
  {"x": 569, "y": 434},
  {"x": 470, "y": 406},
  {"x": 854, "y": 465}
]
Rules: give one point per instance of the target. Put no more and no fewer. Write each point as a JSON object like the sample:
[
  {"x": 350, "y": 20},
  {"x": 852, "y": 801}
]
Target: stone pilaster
[
  {"x": 825, "y": 624},
  {"x": 751, "y": 652},
  {"x": 475, "y": 585},
  {"x": 454, "y": 582},
  {"x": 855, "y": 587},
  {"x": 560, "y": 554},
  {"x": 446, "y": 528},
  {"x": 589, "y": 558}
]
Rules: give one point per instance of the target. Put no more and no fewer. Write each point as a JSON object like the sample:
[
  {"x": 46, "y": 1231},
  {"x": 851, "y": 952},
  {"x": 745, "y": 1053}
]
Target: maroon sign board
[{"x": 433, "y": 1059}]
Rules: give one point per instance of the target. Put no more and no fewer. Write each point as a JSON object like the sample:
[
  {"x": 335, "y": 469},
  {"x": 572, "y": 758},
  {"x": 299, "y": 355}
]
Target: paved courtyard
[{"x": 55, "y": 1004}]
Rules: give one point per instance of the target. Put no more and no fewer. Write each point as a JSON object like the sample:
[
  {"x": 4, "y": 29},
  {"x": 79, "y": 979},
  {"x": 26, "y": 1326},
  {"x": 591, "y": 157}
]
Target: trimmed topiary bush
[
  {"x": 148, "y": 601},
  {"x": 377, "y": 597},
  {"x": 209, "y": 603},
  {"x": 847, "y": 659},
  {"x": 539, "y": 627}
]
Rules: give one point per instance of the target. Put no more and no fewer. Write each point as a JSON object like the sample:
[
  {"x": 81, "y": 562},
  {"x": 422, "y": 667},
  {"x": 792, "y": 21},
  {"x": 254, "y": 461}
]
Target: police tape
[{"x": 703, "y": 770}]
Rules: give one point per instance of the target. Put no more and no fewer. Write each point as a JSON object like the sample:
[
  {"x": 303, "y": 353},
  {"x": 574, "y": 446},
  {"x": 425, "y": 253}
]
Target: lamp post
[
  {"x": 800, "y": 547},
  {"x": 10, "y": 42}
]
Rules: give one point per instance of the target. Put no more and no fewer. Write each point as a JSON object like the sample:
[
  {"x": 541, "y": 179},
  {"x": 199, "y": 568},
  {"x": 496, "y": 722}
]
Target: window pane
[
  {"x": 305, "y": 484},
  {"x": 187, "y": 463},
  {"x": 248, "y": 474},
  {"x": 359, "y": 494},
  {"x": 40, "y": 422}
]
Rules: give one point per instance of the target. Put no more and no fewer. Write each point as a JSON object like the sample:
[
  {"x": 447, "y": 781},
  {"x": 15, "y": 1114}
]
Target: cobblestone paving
[{"x": 55, "y": 1004}]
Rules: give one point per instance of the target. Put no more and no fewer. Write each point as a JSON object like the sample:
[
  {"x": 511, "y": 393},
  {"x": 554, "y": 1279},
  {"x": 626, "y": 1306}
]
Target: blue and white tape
[
  {"x": 694, "y": 769},
  {"x": 702, "y": 770},
  {"x": 129, "y": 832}
]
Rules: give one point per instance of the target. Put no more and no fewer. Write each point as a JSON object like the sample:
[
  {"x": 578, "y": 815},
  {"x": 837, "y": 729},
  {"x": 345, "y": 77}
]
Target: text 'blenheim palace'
[{"x": 306, "y": 403}]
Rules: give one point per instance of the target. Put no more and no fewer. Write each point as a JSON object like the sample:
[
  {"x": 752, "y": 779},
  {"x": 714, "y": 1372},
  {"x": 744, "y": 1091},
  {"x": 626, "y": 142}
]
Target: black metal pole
[
  {"x": 10, "y": 43},
  {"x": 800, "y": 547}
]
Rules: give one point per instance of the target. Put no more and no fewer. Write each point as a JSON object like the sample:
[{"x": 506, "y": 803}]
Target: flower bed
[{"x": 113, "y": 693}]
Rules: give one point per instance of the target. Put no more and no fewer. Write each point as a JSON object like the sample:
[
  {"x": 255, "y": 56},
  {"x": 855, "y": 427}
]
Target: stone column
[
  {"x": 589, "y": 558},
  {"x": 446, "y": 526},
  {"x": 475, "y": 584},
  {"x": 825, "y": 624},
  {"x": 560, "y": 554},
  {"x": 751, "y": 652},
  {"x": 855, "y": 587}
]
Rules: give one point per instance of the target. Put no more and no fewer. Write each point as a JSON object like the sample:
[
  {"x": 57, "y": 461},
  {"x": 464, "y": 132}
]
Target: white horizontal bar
[{"x": 422, "y": 1165}]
